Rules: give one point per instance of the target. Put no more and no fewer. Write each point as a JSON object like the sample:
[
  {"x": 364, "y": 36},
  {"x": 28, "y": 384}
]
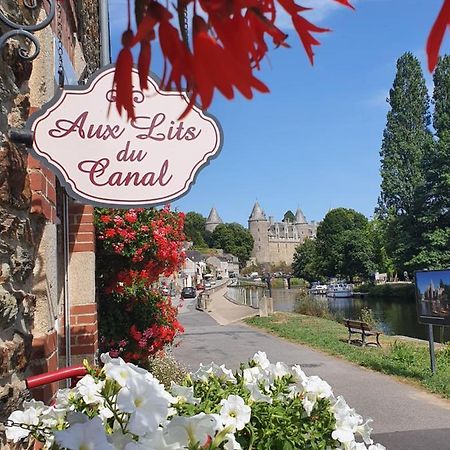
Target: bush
[
  {"x": 262, "y": 406},
  {"x": 166, "y": 368}
]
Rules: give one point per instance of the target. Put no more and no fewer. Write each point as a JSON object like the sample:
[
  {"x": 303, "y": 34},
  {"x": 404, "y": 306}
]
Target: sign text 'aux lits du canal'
[{"x": 105, "y": 160}]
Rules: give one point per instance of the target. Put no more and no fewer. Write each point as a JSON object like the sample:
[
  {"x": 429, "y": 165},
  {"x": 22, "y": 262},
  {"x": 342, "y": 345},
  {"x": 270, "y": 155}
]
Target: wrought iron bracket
[{"x": 26, "y": 31}]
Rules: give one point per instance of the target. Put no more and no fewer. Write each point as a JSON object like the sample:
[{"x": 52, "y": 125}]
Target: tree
[
  {"x": 406, "y": 139},
  {"x": 194, "y": 229},
  {"x": 343, "y": 244},
  {"x": 289, "y": 216},
  {"x": 435, "y": 250},
  {"x": 305, "y": 264},
  {"x": 233, "y": 238}
]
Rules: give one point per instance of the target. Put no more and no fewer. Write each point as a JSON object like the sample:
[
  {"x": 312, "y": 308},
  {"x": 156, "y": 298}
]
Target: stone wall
[{"x": 19, "y": 233}]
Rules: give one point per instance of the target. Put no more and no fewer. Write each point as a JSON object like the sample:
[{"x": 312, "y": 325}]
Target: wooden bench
[{"x": 362, "y": 328}]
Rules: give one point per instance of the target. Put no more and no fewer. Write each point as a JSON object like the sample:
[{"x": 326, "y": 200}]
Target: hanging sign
[{"x": 105, "y": 160}]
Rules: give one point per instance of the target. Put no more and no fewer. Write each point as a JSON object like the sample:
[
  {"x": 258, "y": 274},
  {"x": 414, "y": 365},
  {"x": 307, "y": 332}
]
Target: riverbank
[
  {"x": 401, "y": 290},
  {"x": 405, "y": 360}
]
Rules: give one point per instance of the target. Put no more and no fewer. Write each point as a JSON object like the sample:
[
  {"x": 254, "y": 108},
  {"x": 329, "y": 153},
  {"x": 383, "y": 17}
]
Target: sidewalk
[{"x": 405, "y": 418}]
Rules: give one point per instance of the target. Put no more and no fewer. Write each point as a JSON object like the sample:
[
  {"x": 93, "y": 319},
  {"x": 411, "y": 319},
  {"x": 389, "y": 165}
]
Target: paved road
[{"x": 405, "y": 418}]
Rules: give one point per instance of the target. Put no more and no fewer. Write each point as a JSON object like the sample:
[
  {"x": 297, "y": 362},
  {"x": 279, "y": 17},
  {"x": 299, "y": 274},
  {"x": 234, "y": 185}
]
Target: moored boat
[
  {"x": 318, "y": 289},
  {"x": 340, "y": 290}
]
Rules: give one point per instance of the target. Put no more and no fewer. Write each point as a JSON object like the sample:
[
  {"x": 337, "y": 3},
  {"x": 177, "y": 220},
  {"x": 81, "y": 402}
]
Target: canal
[{"x": 394, "y": 316}]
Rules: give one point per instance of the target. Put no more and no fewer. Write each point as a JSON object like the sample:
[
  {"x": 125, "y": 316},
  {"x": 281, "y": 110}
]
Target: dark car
[{"x": 188, "y": 292}]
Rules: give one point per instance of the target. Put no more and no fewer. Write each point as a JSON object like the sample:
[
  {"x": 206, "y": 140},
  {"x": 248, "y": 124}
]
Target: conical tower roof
[
  {"x": 257, "y": 213},
  {"x": 299, "y": 216},
  {"x": 214, "y": 218}
]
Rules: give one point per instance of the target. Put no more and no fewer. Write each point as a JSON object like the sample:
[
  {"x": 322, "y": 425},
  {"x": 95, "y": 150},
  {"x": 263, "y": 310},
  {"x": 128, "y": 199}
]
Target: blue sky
[{"x": 314, "y": 141}]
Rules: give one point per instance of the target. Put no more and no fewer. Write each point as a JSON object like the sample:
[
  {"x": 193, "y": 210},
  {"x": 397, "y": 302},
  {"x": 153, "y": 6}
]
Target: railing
[{"x": 246, "y": 295}]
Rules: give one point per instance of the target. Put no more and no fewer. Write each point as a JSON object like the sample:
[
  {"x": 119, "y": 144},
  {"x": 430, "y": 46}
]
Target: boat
[
  {"x": 318, "y": 289},
  {"x": 340, "y": 290}
]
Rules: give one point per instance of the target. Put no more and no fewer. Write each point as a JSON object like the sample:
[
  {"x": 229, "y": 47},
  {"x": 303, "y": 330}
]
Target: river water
[{"x": 393, "y": 316}]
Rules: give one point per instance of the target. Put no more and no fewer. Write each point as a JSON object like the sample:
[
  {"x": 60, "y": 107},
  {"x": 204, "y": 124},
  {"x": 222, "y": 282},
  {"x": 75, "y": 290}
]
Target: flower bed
[{"x": 262, "y": 406}]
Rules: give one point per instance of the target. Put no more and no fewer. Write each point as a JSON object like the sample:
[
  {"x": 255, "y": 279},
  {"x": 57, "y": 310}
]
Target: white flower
[
  {"x": 84, "y": 436},
  {"x": 225, "y": 374},
  {"x": 308, "y": 405},
  {"x": 299, "y": 375},
  {"x": 63, "y": 398},
  {"x": 318, "y": 387},
  {"x": 117, "y": 369},
  {"x": 146, "y": 401},
  {"x": 204, "y": 372},
  {"x": 183, "y": 394},
  {"x": 89, "y": 389},
  {"x": 278, "y": 370},
  {"x": 155, "y": 442},
  {"x": 53, "y": 417},
  {"x": 365, "y": 430},
  {"x": 119, "y": 440},
  {"x": 231, "y": 443},
  {"x": 260, "y": 358},
  {"x": 234, "y": 412},
  {"x": 344, "y": 435},
  {"x": 376, "y": 447},
  {"x": 190, "y": 430},
  {"x": 256, "y": 394},
  {"x": 28, "y": 417},
  {"x": 253, "y": 375}
]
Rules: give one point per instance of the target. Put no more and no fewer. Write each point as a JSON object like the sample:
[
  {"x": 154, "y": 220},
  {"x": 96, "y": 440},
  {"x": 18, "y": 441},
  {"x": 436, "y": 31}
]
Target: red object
[
  {"x": 58, "y": 375},
  {"x": 437, "y": 35}
]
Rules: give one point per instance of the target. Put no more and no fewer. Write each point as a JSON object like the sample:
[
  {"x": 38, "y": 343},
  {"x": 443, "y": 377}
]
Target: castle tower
[
  {"x": 258, "y": 226},
  {"x": 213, "y": 220},
  {"x": 299, "y": 216}
]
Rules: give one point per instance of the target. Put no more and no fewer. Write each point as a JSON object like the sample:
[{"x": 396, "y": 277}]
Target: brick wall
[
  {"x": 82, "y": 233},
  {"x": 84, "y": 332},
  {"x": 42, "y": 183},
  {"x": 44, "y": 358}
]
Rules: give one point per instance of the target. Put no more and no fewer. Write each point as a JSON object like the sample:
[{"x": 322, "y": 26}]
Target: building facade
[
  {"x": 47, "y": 260},
  {"x": 275, "y": 242}
]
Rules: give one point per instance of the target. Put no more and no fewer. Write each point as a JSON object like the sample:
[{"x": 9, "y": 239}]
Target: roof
[
  {"x": 299, "y": 216},
  {"x": 213, "y": 217},
  {"x": 196, "y": 256},
  {"x": 257, "y": 213}
]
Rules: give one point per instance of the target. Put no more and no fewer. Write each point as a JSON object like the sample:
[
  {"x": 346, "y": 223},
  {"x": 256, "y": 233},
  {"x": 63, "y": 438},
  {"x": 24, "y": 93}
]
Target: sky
[{"x": 314, "y": 141}]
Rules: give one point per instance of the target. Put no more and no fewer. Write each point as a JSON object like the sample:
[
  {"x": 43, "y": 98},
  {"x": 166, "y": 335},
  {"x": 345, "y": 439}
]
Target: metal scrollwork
[{"x": 26, "y": 31}]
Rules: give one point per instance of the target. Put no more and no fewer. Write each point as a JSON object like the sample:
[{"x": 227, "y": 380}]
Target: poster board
[{"x": 433, "y": 296}]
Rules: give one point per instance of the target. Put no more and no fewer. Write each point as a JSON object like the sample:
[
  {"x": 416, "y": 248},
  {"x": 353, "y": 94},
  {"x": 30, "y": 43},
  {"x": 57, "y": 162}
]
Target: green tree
[
  {"x": 344, "y": 247},
  {"x": 406, "y": 139},
  {"x": 289, "y": 216},
  {"x": 305, "y": 263},
  {"x": 435, "y": 249},
  {"x": 233, "y": 238},
  {"x": 194, "y": 229}
]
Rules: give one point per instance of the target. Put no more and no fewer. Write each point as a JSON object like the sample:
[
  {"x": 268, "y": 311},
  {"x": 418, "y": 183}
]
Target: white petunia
[
  {"x": 225, "y": 374},
  {"x": 278, "y": 370},
  {"x": 318, "y": 387},
  {"x": 256, "y": 394},
  {"x": 191, "y": 430},
  {"x": 343, "y": 435},
  {"x": 376, "y": 447},
  {"x": 84, "y": 436},
  {"x": 90, "y": 390},
  {"x": 64, "y": 398},
  {"x": 146, "y": 401},
  {"x": 260, "y": 358},
  {"x": 28, "y": 417},
  {"x": 365, "y": 430},
  {"x": 234, "y": 412},
  {"x": 231, "y": 443},
  {"x": 204, "y": 372},
  {"x": 253, "y": 375},
  {"x": 299, "y": 375},
  {"x": 119, "y": 440},
  {"x": 155, "y": 442},
  {"x": 183, "y": 394}
]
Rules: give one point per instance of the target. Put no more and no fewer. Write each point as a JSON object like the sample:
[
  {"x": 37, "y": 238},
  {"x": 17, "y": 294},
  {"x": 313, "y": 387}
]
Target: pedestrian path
[{"x": 405, "y": 417}]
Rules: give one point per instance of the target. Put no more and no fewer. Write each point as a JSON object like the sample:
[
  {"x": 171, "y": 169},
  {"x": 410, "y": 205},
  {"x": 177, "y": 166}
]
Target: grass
[{"x": 409, "y": 361}]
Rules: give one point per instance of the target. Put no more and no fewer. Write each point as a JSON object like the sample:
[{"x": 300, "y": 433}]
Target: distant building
[
  {"x": 275, "y": 242},
  {"x": 213, "y": 220}
]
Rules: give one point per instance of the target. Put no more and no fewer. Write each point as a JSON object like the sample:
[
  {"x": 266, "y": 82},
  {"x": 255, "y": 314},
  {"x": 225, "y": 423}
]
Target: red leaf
[
  {"x": 144, "y": 64},
  {"x": 345, "y": 3},
  {"x": 123, "y": 77},
  {"x": 305, "y": 29},
  {"x": 436, "y": 35}
]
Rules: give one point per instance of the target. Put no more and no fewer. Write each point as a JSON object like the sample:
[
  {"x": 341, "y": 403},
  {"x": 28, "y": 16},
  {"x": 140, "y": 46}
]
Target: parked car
[
  {"x": 213, "y": 282},
  {"x": 200, "y": 287},
  {"x": 207, "y": 285},
  {"x": 188, "y": 292}
]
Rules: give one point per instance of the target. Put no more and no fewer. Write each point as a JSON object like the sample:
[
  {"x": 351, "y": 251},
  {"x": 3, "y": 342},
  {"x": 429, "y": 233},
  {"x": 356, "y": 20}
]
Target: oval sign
[{"x": 105, "y": 160}]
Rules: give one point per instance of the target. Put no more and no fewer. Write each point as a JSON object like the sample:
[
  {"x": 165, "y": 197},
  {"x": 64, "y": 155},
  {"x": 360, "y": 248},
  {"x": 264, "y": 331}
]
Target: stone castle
[{"x": 274, "y": 242}]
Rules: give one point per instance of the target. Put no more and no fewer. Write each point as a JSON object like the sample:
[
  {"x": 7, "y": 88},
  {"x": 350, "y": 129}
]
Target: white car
[{"x": 207, "y": 285}]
